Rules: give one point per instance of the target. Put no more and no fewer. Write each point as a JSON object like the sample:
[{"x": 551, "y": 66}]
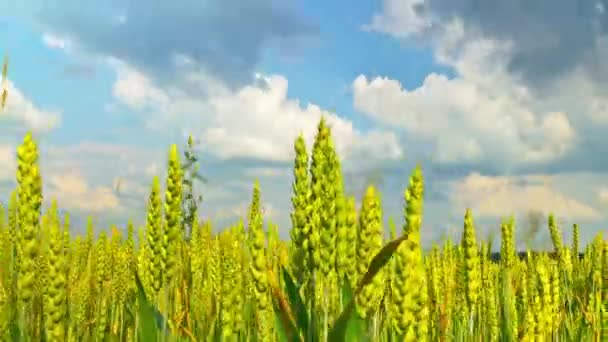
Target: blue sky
[{"x": 503, "y": 106}]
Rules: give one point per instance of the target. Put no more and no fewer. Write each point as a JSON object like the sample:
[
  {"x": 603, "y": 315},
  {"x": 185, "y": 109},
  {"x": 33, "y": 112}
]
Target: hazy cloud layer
[
  {"x": 225, "y": 38},
  {"x": 7, "y": 162},
  {"x": 504, "y": 196},
  {"x": 549, "y": 37},
  {"x": 21, "y": 114},
  {"x": 526, "y": 97}
]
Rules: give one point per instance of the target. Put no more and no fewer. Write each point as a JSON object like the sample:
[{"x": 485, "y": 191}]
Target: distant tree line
[{"x": 524, "y": 255}]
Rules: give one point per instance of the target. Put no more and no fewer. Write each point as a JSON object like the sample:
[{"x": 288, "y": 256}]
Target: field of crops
[{"x": 337, "y": 279}]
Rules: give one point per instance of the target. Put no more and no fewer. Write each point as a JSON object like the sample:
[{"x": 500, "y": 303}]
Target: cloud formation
[
  {"x": 482, "y": 115},
  {"x": 524, "y": 97},
  {"x": 72, "y": 190},
  {"x": 503, "y": 196},
  {"x": 74, "y": 176},
  {"x": 527, "y": 101},
  {"x": 55, "y": 42},
  {"x": 21, "y": 114},
  {"x": 549, "y": 38},
  {"x": 7, "y": 162},
  {"x": 257, "y": 121},
  {"x": 225, "y": 38}
]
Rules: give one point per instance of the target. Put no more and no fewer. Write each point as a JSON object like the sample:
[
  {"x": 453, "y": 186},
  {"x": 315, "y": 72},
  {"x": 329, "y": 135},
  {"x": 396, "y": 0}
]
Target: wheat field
[{"x": 337, "y": 279}]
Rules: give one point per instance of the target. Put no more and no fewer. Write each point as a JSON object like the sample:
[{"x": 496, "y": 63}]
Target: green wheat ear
[
  {"x": 338, "y": 280},
  {"x": 4, "y": 82}
]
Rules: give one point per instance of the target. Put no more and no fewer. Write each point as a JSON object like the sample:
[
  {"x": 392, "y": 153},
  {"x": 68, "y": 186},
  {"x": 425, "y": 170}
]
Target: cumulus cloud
[
  {"x": 136, "y": 90},
  {"x": 549, "y": 38},
  {"x": 400, "y": 18},
  {"x": 95, "y": 154},
  {"x": 602, "y": 195},
  {"x": 240, "y": 210},
  {"x": 531, "y": 95},
  {"x": 256, "y": 121},
  {"x": 73, "y": 191},
  {"x": 152, "y": 169},
  {"x": 67, "y": 179},
  {"x": 148, "y": 35},
  {"x": 7, "y": 162},
  {"x": 267, "y": 171},
  {"x": 55, "y": 42},
  {"x": 22, "y": 114},
  {"x": 465, "y": 121},
  {"x": 78, "y": 176},
  {"x": 81, "y": 170},
  {"x": 503, "y": 196}
]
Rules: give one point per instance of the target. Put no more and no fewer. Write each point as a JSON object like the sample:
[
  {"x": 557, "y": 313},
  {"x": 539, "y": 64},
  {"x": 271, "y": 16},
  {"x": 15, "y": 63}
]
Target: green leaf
[
  {"x": 15, "y": 331},
  {"x": 4, "y": 94},
  {"x": 283, "y": 311},
  {"x": 297, "y": 304},
  {"x": 339, "y": 330},
  {"x": 347, "y": 291},
  {"x": 212, "y": 334},
  {"x": 148, "y": 329},
  {"x": 380, "y": 260},
  {"x": 505, "y": 298},
  {"x": 200, "y": 178},
  {"x": 490, "y": 240},
  {"x": 187, "y": 164},
  {"x": 579, "y": 332},
  {"x": 279, "y": 325},
  {"x": 355, "y": 326}
]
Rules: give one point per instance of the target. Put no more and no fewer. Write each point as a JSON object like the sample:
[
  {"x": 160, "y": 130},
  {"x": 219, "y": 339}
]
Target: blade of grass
[
  {"x": 148, "y": 330},
  {"x": 283, "y": 310},
  {"x": 338, "y": 331},
  {"x": 296, "y": 303},
  {"x": 355, "y": 326}
]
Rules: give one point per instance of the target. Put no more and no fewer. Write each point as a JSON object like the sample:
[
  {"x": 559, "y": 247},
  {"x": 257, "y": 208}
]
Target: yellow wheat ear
[
  {"x": 115, "y": 231},
  {"x": 4, "y": 83}
]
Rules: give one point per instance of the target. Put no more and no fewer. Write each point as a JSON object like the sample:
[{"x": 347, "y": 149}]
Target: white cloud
[
  {"x": 520, "y": 94},
  {"x": 135, "y": 89},
  {"x": 61, "y": 180},
  {"x": 602, "y": 195},
  {"x": 56, "y": 42},
  {"x": 152, "y": 170},
  {"x": 480, "y": 115},
  {"x": 20, "y": 112},
  {"x": 75, "y": 173},
  {"x": 97, "y": 156},
  {"x": 8, "y": 164},
  {"x": 120, "y": 19},
  {"x": 400, "y": 18},
  {"x": 72, "y": 191},
  {"x": 267, "y": 172},
  {"x": 263, "y": 123},
  {"x": 502, "y": 196},
  {"x": 79, "y": 177},
  {"x": 256, "y": 121},
  {"x": 486, "y": 112},
  {"x": 241, "y": 209}
]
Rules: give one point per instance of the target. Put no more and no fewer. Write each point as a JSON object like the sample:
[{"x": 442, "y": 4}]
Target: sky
[{"x": 502, "y": 103}]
